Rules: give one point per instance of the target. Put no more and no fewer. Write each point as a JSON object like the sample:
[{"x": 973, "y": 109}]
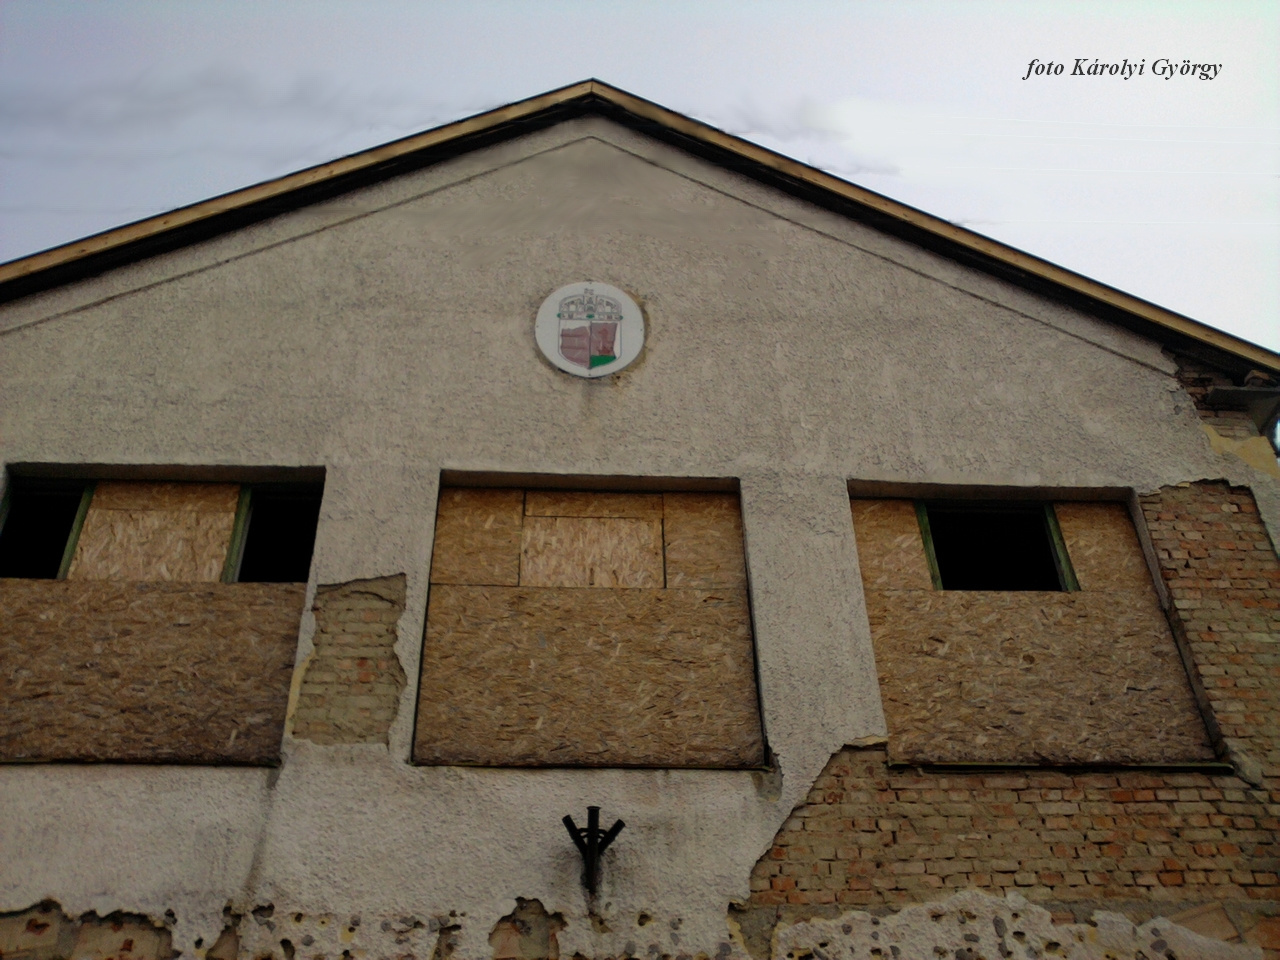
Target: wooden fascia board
[
  {"x": 279, "y": 187},
  {"x": 957, "y": 238}
]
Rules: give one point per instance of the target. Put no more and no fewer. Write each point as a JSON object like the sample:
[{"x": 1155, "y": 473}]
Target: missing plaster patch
[
  {"x": 352, "y": 685},
  {"x": 227, "y": 946},
  {"x": 44, "y": 932},
  {"x": 447, "y": 941},
  {"x": 1255, "y": 451},
  {"x": 527, "y": 933},
  {"x": 971, "y": 924}
]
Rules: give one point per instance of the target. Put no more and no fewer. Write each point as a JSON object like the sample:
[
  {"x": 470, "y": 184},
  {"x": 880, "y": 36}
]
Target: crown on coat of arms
[{"x": 589, "y": 305}]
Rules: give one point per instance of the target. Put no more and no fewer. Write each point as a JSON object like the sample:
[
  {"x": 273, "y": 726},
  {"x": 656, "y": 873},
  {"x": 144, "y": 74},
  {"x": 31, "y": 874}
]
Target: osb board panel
[
  {"x": 703, "y": 536},
  {"x": 591, "y": 552},
  {"x": 104, "y": 670},
  {"x": 478, "y": 537},
  {"x": 890, "y": 548},
  {"x": 169, "y": 497},
  {"x": 156, "y": 531},
  {"x": 574, "y": 503},
  {"x": 1032, "y": 677},
  {"x": 530, "y": 677},
  {"x": 152, "y": 545},
  {"x": 1103, "y": 546}
]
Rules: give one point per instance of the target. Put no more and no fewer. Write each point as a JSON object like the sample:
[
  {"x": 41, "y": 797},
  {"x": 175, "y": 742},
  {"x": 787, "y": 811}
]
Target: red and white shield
[{"x": 589, "y": 329}]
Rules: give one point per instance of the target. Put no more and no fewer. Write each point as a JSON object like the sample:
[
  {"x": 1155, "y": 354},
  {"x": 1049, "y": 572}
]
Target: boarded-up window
[
  {"x": 141, "y": 652},
  {"x": 594, "y": 629},
  {"x": 1026, "y": 676}
]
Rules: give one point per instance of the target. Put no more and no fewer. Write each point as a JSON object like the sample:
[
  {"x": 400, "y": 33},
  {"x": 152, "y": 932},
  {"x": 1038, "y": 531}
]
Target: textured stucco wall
[{"x": 389, "y": 335}]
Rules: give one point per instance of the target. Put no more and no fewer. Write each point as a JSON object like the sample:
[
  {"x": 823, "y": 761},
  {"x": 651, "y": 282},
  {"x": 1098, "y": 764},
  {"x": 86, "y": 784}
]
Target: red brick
[{"x": 1128, "y": 835}]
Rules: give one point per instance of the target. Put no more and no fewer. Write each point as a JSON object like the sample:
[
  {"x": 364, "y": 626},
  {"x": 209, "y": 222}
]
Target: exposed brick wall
[
  {"x": 869, "y": 835},
  {"x": 352, "y": 685},
  {"x": 1236, "y": 424},
  {"x": 875, "y": 837},
  {"x": 1223, "y": 576},
  {"x": 1198, "y": 379}
]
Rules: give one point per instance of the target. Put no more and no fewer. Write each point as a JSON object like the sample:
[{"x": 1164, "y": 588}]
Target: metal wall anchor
[{"x": 591, "y": 842}]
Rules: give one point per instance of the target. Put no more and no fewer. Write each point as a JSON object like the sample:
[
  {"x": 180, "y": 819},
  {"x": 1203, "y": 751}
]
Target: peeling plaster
[
  {"x": 973, "y": 925},
  {"x": 1255, "y": 451},
  {"x": 44, "y": 932}
]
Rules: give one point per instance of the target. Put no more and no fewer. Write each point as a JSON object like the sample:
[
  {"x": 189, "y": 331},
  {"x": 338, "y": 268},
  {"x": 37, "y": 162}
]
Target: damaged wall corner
[{"x": 353, "y": 681}]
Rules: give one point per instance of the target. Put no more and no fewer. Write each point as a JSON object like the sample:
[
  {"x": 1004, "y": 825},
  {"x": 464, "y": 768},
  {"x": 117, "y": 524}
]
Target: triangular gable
[{"x": 191, "y": 224}]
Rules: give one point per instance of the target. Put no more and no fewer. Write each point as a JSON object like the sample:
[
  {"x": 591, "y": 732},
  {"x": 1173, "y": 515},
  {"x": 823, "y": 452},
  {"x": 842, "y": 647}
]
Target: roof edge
[
  {"x": 270, "y": 189},
  {"x": 23, "y": 276}
]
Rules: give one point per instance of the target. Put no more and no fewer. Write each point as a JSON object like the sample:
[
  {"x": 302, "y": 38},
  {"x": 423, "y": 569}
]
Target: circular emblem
[{"x": 590, "y": 329}]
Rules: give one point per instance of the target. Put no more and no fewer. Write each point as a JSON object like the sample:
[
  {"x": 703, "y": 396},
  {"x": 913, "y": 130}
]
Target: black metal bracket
[{"x": 591, "y": 842}]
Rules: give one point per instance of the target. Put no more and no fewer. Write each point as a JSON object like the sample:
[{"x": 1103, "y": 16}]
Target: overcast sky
[{"x": 1166, "y": 188}]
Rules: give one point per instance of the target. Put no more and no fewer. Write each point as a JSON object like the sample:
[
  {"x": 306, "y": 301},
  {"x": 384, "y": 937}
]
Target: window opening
[
  {"x": 39, "y": 523},
  {"x": 275, "y": 534},
  {"x": 995, "y": 546}
]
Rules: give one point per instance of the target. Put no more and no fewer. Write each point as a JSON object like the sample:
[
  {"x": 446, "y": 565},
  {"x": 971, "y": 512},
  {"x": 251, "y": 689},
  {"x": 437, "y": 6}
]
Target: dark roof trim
[{"x": 230, "y": 211}]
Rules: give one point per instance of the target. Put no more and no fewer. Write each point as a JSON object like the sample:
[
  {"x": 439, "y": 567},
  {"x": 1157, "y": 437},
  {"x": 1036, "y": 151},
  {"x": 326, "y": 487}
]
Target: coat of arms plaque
[{"x": 590, "y": 329}]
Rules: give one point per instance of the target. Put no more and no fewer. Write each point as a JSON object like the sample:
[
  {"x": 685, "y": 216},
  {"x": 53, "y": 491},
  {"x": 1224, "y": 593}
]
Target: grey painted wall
[{"x": 388, "y": 336}]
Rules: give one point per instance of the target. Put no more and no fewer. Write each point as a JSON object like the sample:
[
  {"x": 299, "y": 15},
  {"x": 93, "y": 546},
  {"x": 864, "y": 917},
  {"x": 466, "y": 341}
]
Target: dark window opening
[
  {"x": 986, "y": 546},
  {"x": 279, "y": 533},
  {"x": 36, "y": 525}
]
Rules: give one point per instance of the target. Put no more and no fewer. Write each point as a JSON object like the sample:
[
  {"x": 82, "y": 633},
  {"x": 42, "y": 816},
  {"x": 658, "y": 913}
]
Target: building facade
[{"x": 904, "y": 595}]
